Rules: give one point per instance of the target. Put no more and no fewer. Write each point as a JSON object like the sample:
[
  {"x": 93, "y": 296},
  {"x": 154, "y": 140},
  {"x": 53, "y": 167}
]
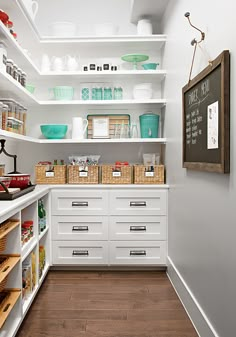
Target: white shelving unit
[{"x": 27, "y": 211}]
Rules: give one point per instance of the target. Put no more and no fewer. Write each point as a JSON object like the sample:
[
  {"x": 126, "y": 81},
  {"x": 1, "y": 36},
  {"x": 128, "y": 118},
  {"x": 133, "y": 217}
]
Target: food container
[
  {"x": 63, "y": 93},
  {"x": 54, "y": 131},
  {"x": 142, "y": 91},
  {"x": 63, "y": 29},
  {"x": 6, "y": 181},
  {"x": 105, "y": 29},
  {"x": 150, "y": 66},
  {"x": 144, "y": 27},
  {"x": 149, "y": 125},
  {"x": 19, "y": 180}
]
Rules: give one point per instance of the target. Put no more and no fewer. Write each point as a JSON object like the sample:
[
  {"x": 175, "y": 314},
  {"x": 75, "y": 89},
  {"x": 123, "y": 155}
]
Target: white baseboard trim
[{"x": 196, "y": 314}]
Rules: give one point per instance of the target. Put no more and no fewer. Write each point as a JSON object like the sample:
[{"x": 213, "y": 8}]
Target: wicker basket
[
  {"x": 3, "y": 284},
  {"x": 49, "y": 174},
  {"x": 76, "y": 174},
  {"x": 142, "y": 176},
  {"x": 3, "y": 243},
  {"x": 112, "y": 174}
]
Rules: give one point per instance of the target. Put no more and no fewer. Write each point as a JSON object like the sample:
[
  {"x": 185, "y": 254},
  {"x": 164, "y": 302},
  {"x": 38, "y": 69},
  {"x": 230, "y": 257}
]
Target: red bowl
[{"x": 19, "y": 180}]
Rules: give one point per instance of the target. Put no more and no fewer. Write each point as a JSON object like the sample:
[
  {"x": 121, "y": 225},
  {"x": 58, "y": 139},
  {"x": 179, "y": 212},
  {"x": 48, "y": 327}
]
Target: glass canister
[
  {"x": 149, "y": 125},
  {"x": 107, "y": 93}
]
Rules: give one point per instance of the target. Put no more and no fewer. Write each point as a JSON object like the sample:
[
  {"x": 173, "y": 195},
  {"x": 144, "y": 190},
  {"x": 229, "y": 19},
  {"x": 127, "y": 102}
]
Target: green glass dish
[{"x": 135, "y": 58}]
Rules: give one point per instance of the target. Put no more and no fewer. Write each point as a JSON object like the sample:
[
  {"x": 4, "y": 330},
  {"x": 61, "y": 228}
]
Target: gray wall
[{"x": 202, "y": 206}]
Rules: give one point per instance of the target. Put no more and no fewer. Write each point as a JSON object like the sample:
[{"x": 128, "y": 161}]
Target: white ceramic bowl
[
  {"x": 143, "y": 93},
  {"x": 105, "y": 29},
  {"x": 63, "y": 29}
]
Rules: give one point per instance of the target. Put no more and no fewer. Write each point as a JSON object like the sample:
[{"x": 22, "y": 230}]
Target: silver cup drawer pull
[
  {"x": 138, "y": 204},
  {"x": 137, "y": 253},
  {"x": 137, "y": 228},
  {"x": 79, "y": 203},
  {"x": 80, "y": 228},
  {"x": 80, "y": 253}
]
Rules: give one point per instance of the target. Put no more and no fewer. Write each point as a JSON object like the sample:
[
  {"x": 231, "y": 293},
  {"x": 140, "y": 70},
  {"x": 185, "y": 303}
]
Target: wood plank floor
[{"x": 107, "y": 304}]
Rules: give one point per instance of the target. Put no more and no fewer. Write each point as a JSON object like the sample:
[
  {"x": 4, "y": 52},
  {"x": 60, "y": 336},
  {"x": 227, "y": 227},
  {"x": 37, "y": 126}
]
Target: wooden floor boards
[{"x": 106, "y": 304}]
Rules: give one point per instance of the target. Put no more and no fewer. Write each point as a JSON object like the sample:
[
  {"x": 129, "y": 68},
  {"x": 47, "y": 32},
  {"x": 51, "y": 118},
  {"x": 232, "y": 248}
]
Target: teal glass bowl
[
  {"x": 54, "y": 131},
  {"x": 150, "y": 66}
]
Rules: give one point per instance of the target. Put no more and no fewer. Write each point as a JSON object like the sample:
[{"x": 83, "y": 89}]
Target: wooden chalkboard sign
[{"x": 206, "y": 118}]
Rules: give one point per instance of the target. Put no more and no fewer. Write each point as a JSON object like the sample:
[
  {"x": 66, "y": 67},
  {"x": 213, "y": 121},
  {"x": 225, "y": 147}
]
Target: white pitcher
[
  {"x": 71, "y": 63},
  {"x": 57, "y": 63},
  {"x": 79, "y": 126},
  {"x": 31, "y": 7}
]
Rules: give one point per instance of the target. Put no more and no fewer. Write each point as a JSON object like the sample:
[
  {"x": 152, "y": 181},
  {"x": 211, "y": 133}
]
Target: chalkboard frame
[{"x": 223, "y": 166}]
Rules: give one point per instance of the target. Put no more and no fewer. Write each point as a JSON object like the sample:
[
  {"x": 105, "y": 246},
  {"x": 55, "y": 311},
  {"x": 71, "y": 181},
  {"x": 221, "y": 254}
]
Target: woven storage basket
[
  {"x": 143, "y": 177},
  {"x": 3, "y": 284},
  {"x": 3, "y": 243},
  {"x": 112, "y": 174},
  {"x": 58, "y": 176},
  {"x": 76, "y": 176}
]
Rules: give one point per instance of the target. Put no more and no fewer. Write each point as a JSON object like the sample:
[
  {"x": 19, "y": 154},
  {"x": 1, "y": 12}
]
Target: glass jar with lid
[
  {"x": 9, "y": 65},
  {"x": 3, "y": 56},
  {"x": 4, "y": 116},
  {"x": 15, "y": 72},
  {"x": 23, "y": 79},
  {"x": 19, "y": 73},
  {"x": 107, "y": 93}
]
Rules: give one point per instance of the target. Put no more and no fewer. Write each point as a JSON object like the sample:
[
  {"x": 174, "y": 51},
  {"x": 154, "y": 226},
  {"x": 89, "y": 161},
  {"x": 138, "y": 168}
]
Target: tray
[
  {"x": 11, "y": 196},
  {"x": 113, "y": 120}
]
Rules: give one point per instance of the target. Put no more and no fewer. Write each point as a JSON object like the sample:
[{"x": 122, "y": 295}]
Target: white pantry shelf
[
  {"x": 17, "y": 53},
  {"x": 15, "y": 136},
  {"x": 84, "y": 75},
  {"x": 122, "y": 103},
  {"x": 13, "y": 89}
]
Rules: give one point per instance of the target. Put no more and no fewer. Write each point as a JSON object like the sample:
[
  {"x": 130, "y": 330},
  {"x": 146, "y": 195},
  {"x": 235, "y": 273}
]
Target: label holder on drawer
[
  {"x": 137, "y": 253},
  {"x": 79, "y": 203},
  {"x": 138, "y": 204},
  {"x": 137, "y": 228},
  {"x": 80, "y": 229},
  {"x": 80, "y": 253}
]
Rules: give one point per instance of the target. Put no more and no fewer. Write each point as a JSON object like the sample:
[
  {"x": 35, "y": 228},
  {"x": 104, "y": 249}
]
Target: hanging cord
[{"x": 194, "y": 43}]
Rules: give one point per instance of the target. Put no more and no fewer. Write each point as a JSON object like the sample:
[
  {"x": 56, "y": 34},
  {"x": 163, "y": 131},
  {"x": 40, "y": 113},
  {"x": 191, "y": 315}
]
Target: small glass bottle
[{"x": 134, "y": 131}]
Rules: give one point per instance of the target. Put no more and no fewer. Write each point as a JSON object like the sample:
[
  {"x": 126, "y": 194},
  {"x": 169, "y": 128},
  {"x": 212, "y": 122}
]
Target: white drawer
[
  {"x": 138, "y": 202},
  {"x": 79, "y": 202},
  {"x": 79, "y": 227},
  {"x": 79, "y": 253},
  {"x": 137, "y": 253},
  {"x": 137, "y": 227}
]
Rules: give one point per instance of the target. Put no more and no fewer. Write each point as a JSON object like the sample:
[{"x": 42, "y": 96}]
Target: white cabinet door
[
  {"x": 77, "y": 227},
  {"x": 80, "y": 253},
  {"x": 79, "y": 202},
  {"x": 137, "y": 227},
  {"x": 137, "y": 253},
  {"x": 138, "y": 202}
]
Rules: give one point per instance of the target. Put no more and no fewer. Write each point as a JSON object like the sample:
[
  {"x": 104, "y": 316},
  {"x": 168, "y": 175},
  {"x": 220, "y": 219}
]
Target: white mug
[
  {"x": 79, "y": 126},
  {"x": 57, "y": 63},
  {"x": 32, "y": 7}
]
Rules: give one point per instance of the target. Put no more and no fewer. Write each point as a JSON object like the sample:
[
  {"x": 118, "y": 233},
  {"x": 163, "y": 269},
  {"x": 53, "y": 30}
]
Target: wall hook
[{"x": 187, "y": 15}]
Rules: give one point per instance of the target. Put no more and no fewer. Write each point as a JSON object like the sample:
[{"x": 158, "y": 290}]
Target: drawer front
[
  {"x": 80, "y": 202},
  {"x": 137, "y": 228},
  {"x": 138, "y": 253},
  {"x": 138, "y": 202},
  {"x": 79, "y": 253},
  {"x": 79, "y": 228}
]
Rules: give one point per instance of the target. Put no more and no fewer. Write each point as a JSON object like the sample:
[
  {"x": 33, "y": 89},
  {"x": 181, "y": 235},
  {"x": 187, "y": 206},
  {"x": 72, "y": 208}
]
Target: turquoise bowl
[
  {"x": 150, "y": 66},
  {"x": 54, "y": 131}
]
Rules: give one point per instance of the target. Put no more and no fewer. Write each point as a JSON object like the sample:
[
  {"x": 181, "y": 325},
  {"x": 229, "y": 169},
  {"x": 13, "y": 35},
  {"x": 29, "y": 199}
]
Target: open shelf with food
[{"x": 29, "y": 231}]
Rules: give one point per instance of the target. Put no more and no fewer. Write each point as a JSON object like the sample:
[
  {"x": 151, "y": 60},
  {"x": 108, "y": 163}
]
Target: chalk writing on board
[{"x": 194, "y": 119}]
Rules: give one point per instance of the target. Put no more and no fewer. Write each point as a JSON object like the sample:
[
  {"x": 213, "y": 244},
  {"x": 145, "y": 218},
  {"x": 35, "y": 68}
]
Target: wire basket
[
  {"x": 50, "y": 174},
  {"x": 113, "y": 174},
  {"x": 149, "y": 174},
  {"x": 77, "y": 174}
]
